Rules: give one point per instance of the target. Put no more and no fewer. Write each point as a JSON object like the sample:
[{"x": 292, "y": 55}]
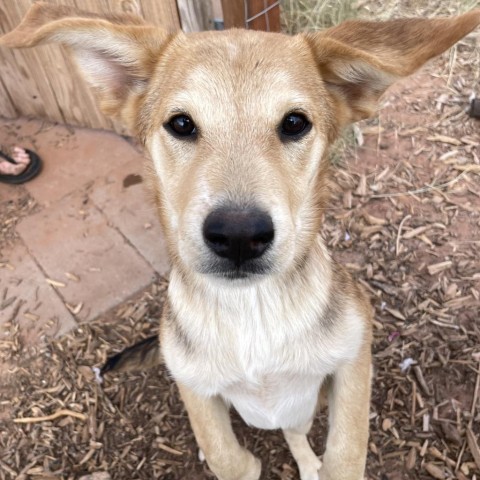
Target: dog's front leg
[
  {"x": 348, "y": 405},
  {"x": 308, "y": 463},
  {"x": 211, "y": 425}
]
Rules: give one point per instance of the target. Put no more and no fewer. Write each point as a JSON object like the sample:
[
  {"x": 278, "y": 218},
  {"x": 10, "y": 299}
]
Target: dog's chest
[
  {"x": 270, "y": 399},
  {"x": 270, "y": 374},
  {"x": 266, "y": 351}
]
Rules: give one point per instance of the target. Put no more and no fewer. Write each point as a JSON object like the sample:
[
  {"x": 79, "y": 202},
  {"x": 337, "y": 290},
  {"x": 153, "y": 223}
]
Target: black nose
[{"x": 238, "y": 234}]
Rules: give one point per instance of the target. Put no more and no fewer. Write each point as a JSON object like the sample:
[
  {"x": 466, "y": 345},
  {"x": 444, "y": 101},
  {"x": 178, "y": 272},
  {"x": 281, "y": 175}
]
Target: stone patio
[{"x": 94, "y": 240}]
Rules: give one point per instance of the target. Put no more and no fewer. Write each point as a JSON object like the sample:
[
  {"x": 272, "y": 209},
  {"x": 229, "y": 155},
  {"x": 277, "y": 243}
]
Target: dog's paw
[
  {"x": 201, "y": 455},
  {"x": 245, "y": 467},
  {"x": 343, "y": 475},
  {"x": 310, "y": 470},
  {"x": 254, "y": 469}
]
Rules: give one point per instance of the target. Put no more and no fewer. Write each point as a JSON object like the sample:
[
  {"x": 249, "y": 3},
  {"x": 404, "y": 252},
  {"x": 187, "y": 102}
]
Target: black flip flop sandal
[{"x": 32, "y": 170}]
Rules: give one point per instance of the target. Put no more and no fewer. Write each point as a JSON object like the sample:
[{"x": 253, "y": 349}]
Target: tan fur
[{"x": 252, "y": 341}]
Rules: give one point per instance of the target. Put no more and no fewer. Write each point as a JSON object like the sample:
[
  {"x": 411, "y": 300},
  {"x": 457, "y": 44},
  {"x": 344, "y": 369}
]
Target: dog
[{"x": 237, "y": 125}]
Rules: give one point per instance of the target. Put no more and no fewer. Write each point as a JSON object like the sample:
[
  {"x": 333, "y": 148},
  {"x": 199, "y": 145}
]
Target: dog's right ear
[{"x": 117, "y": 54}]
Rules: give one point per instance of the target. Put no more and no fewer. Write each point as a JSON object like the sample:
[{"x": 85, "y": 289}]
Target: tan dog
[{"x": 238, "y": 126}]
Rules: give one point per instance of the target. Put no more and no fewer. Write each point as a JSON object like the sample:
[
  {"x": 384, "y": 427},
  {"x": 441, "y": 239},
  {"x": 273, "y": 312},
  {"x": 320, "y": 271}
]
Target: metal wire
[
  {"x": 267, "y": 20},
  {"x": 248, "y": 19}
]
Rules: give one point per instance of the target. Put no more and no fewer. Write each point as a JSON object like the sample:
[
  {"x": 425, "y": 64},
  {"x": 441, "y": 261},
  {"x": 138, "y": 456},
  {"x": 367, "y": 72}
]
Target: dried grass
[
  {"x": 417, "y": 8},
  {"x": 310, "y": 15}
]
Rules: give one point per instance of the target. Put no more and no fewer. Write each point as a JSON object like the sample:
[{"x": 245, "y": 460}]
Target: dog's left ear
[
  {"x": 359, "y": 60},
  {"x": 117, "y": 54}
]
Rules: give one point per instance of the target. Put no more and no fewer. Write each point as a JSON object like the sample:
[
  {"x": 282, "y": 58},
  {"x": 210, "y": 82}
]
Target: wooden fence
[{"x": 43, "y": 81}]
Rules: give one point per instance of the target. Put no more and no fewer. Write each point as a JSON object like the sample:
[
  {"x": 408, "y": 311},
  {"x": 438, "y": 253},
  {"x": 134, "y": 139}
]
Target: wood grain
[
  {"x": 195, "y": 16},
  {"x": 163, "y": 13},
  {"x": 45, "y": 82},
  {"x": 61, "y": 86},
  {"x": 7, "y": 107},
  {"x": 236, "y": 15},
  {"x": 270, "y": 21},
  {"x": 233, "y": 13},
  {"x": 19, "y": 73}
]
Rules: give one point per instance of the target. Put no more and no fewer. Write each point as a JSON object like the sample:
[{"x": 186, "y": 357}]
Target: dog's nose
[{"x": 238, "y": 234}]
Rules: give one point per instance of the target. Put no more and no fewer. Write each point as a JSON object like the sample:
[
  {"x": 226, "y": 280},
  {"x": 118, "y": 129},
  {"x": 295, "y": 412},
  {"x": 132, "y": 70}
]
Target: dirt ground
[{"x": 405, "y": 219}]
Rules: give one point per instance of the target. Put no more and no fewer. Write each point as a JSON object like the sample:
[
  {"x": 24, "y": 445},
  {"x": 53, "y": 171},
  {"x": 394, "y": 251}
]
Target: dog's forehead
[
  {"x": 241, "y": 67},
  {"x": 243, "y": 46}
]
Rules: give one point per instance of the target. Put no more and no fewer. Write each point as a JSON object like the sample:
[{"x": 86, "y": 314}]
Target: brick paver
[
  {"x": 95, "y": 237},
  {"x": 76, "y": 247},
  {"x": 78, "y": 160},
  {"x": 73, "y": 158},
  {"x": 10, "y": 193},
  {"x": 130, "y": 209}
]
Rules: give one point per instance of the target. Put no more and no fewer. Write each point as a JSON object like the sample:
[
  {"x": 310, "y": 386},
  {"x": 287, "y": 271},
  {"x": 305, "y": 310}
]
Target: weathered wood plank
[
  {"x": 195, "y": 15},
  {"x": 95, "y": 118},
  {"x": 7, "y": 108},
  {"x": 237, "y": 12},
  {"x": 217, "y": 10},
  {"x": 104, "y": 6},
  {"x": 45, "y": 82},
  {"x": 23, "y": 90},
  {"x": 68, "y": 91},
  {"x": 24, "y": 86},
  {"x": 270, "y": 21},
  {"x": 163, "y": 13},
  {"x": 233, "y": 13}
]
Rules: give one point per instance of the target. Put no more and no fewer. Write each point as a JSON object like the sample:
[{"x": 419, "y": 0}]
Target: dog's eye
[
  {"x": 295, "y": 125},
  {"x": 182, "y": 126}
]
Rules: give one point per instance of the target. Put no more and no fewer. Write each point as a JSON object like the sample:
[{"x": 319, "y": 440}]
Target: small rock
[
  {"x": 387, "y": 424},
  {"x": 474, "y": 110},
  {"x": 86, "y": 372},
  {"x": 451, "y": 433},
  {"x": 435, "y": 471},
  {"x": 411, "y": 459},
  {"x": 96, "y": 476}
]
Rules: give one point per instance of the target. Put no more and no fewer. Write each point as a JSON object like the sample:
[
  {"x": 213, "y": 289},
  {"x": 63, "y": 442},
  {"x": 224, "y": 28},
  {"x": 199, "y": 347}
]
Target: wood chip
[
  {"x": 435, "y": 452},
  {"x": 439, "y": 267},
  {"x": 9, "y": 470},
  {"x": 53, "y": 416},
  {"x": 421, "y": 380},
  {"x": 372, "y": 130},
  {"x": 415, "y": 232},
  {"x": 75, "y": 309},
  {"x": 72, "y": 276},
  {"x": 168, "y": 449},
  {"x": 371, "y": 220},
  {"x": 96, "y": 476},
  {"x": 444, "y": 139},
  {"x": 435, "y": 471},
  {"x": 387, "y": 424},
  {"x": 411, "y": 459},
  {"x": 473, "y": 446},
  {"x": 395, "y": 313},
  {"x": 362, "y": 186},
  {"x": 54, "y": 283}
]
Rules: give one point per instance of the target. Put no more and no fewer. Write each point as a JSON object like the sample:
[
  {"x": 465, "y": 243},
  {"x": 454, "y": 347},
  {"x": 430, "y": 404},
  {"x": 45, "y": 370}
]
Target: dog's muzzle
[{"x": 239, "y": 236}]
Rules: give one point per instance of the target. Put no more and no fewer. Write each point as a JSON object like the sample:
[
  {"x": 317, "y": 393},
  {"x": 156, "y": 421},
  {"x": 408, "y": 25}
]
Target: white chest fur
[{"x": 264, "y": 348}]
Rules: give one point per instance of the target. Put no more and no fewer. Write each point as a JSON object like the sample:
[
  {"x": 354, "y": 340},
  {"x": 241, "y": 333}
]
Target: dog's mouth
[{"x": 226, "y": 270}]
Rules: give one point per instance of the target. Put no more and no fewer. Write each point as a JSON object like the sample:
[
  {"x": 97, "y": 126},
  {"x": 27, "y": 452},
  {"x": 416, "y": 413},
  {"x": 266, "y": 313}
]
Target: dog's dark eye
[
  {"x": 182, "y": 126},
  {"x": 295, "y": 125}
]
